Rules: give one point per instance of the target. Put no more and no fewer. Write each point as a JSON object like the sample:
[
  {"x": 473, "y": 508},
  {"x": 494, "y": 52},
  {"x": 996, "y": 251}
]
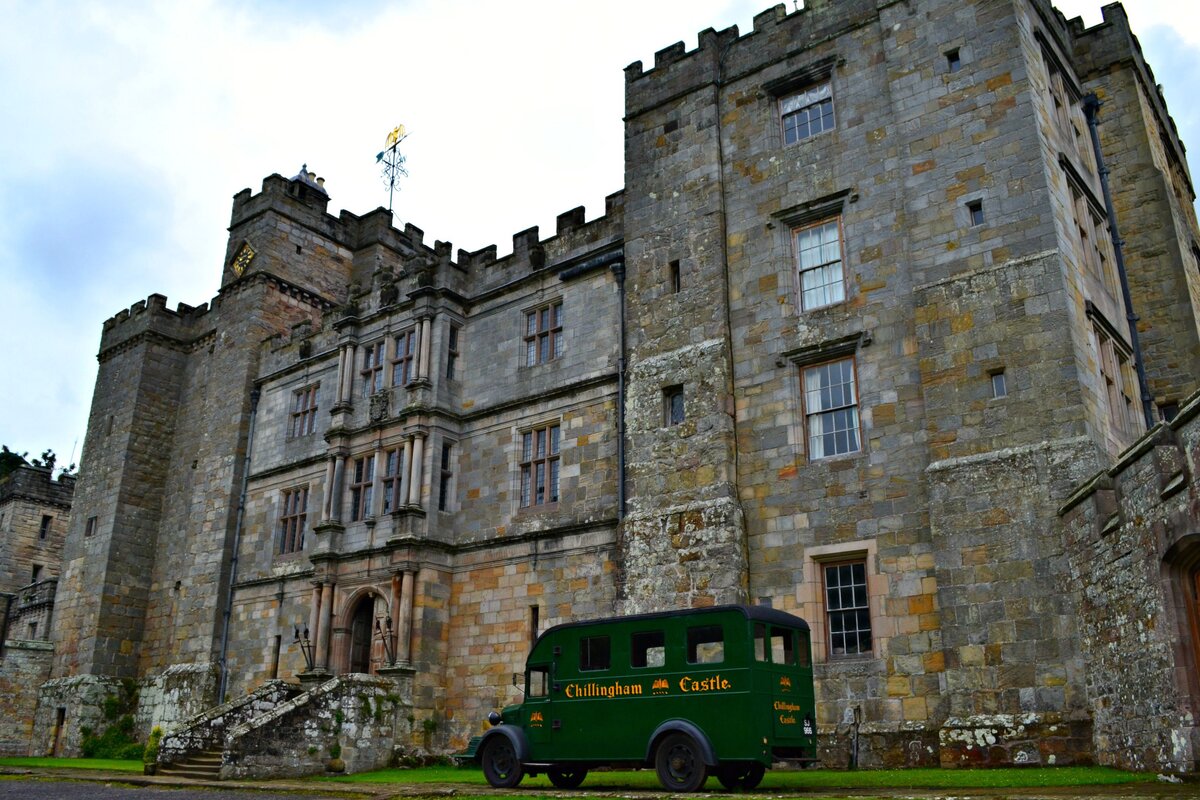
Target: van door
[
  {"x": 536, "y": 709},
  {"x": 785, "y": 695}
]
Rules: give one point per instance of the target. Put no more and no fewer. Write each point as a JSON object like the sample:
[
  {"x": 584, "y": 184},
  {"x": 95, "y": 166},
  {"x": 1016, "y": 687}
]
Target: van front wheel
[
  {"x": 679, "y": 764},
  {"x": 501, "y": 766}
]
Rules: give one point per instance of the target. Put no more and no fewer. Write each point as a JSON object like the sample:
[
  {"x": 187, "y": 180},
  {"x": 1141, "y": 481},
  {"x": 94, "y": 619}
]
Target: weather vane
[{"x": 392, "y": 160}]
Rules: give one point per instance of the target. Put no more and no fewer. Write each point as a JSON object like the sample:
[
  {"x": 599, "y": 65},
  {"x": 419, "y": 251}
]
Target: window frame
[
  {"x": 362, "y": 487},
  {"x": 44, "y": 526},
  {"x": 304, "y": 411},
  {"x": 543, "y": 333},
  {"x": 404, "y": 358},
  {"x": 453, "y": 339},
  {"x": 798, "y": 258},
  {"x": 821, "y": 99},
  {"x": 293, "y": 520},
  {"x": 829, "y": 610},
  {"x": 372, "y": 367},
  {"x": 445, "y": 476},
  {"x": 807, "y": 414},
  {"x": 531, "y": 457},
  {"x": 674, "y": 405},
  {"x": 391, "y": 481}
]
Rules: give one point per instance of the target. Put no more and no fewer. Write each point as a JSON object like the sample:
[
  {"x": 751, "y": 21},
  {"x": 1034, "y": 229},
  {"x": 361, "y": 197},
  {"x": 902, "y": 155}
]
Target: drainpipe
[
  {"x": 237, "y": 543},
  {"x": 1091, "y": 108},
  {"x": 618, "y": 270}
]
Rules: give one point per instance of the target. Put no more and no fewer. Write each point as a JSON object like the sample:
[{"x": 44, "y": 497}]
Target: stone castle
[{"x": 854, "y": 341}]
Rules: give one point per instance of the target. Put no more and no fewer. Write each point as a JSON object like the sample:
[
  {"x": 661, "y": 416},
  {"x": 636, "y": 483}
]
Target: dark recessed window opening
[
  {"x": 44, "y": 530},
  {"x": 975, "y": 212},
  {"x": 673, "y": 405},
  {"x": 999, "y": 384},
  {"x": 673, "y": 277},
  {"x": 953, "y": 60}
]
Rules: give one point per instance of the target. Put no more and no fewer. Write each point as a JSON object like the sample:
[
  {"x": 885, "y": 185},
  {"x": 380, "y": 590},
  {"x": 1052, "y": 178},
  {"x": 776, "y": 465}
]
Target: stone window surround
[
  {"x": 1096, "y": 250},
  {"x": 820, "y": 353},
  {"x": 807, "y": 214},
  {"x": 453, "y": 349},
  {"x": 810, "y": 598},
  {"x": 839, "y": 295},
  {"x": 1115, "y": 368},
  {"x": 796, "y": 81},
  {"x": 674, "y": 411}
]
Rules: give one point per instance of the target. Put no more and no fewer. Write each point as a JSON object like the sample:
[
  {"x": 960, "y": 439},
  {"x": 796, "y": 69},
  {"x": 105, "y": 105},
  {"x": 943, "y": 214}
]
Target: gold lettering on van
[
  {"x": 688, "y": 684},
  {"x": 576, "y": 691}
]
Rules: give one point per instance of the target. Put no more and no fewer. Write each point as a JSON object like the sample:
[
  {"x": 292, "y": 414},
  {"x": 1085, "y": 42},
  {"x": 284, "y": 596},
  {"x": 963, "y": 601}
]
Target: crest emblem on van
[
  {"x": 785, "y": 682},
  {"x": 660, "y": 686},
  {"x": 536, "y": 719}
]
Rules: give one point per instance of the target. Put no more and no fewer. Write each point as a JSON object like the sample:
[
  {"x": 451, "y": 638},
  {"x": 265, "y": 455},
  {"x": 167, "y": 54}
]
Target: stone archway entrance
[{"x": 361, "y": 635}]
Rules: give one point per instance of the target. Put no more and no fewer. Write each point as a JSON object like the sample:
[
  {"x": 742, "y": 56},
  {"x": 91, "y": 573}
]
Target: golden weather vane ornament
[{"x": 392, "y": 160}]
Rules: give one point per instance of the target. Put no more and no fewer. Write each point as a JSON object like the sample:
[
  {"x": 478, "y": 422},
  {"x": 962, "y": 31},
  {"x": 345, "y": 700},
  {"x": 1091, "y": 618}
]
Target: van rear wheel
[
  {"x": 501, "y": 766},
  {"x": 679, "y": 764},
  {"x": 566, "y": 778}
]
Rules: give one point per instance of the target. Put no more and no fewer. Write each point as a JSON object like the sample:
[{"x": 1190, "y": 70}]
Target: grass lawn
[
  {"x": 110, "y": 764},
  {"x": 801, "y": 779}
]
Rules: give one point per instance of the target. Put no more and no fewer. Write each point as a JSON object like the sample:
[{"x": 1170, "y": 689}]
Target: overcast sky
[{"x": 128, "y": 127}]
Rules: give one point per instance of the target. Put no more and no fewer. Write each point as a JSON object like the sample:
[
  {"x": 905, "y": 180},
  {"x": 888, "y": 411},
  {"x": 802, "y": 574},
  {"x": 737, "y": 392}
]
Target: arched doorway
[{"x": 361, "y": 635}]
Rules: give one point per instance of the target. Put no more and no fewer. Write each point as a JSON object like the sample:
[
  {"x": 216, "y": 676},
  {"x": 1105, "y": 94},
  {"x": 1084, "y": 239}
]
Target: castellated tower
[{"x": 146, "y": 569}]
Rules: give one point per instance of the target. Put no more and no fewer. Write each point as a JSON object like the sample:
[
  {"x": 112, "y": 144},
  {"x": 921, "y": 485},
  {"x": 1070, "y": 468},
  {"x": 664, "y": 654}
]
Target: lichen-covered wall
[{"x": 1133, "y": 536}]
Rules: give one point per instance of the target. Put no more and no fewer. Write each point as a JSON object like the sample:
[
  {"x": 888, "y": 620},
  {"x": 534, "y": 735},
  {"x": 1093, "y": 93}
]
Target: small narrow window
[
  {"x": 33, "y": 630},
  {"x": 90, "y": 528},
  {"x": 452, "y": 353},
  {"x": 706, "y": 645},
  {"x": 648, "y": 649},
  {"x": 534, "y": 623},
  {"x": 447, "y": 476},
  {"x": 44, "y": 529},
  {"x": 673, "y": 277},
  {"x": 975, "y": 212},
  {"x": 37, "y": 573},
  {"x": 672, "y": 406},
  {"x": 999, "y": 384},
  {"x": 594, "y": 653},
  {"x": 953, "y": 60},
  {"x": 392, "y": 497}
]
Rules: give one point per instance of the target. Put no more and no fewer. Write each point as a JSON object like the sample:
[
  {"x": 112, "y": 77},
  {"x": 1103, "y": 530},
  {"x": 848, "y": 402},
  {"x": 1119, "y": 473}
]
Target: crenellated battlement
[
  {"x": 572, "y": 236},
  {"x": 152, "y": 316},
  {"x": 726, "y": 54}
]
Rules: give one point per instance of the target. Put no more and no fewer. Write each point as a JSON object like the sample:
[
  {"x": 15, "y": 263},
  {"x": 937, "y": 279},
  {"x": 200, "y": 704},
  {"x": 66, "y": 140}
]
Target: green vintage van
[{"x": 724, "y": 691}]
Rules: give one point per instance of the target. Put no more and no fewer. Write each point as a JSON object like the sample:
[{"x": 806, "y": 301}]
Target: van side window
[
  {"x": 805, "y": 648},
  {"x": 783, "y": 646},
  {"x": 648, "y": 649},
  {"x": 706, "y": 645},
  {"x": 537, "y": 682},
  {"x": 760, "y": 642},
  {"x": 594, "y": 653}
]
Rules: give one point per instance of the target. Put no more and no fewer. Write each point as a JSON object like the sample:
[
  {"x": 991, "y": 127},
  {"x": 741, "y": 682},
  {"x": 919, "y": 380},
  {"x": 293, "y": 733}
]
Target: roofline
[{"x": 758, "y": 613}]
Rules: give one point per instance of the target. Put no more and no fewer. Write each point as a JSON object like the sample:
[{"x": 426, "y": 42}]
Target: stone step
[{"x": 194, "y": 774}]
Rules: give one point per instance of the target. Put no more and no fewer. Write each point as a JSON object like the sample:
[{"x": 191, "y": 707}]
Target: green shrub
[{"x": 150, "y": 756}]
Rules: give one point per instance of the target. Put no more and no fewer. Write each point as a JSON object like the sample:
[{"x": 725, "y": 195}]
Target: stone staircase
[{"x": 201, "y": 765}]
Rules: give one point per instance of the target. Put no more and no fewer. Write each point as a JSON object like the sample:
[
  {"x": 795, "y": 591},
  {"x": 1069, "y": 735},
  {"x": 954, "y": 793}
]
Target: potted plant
[{"x": 150, "y": 754}]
